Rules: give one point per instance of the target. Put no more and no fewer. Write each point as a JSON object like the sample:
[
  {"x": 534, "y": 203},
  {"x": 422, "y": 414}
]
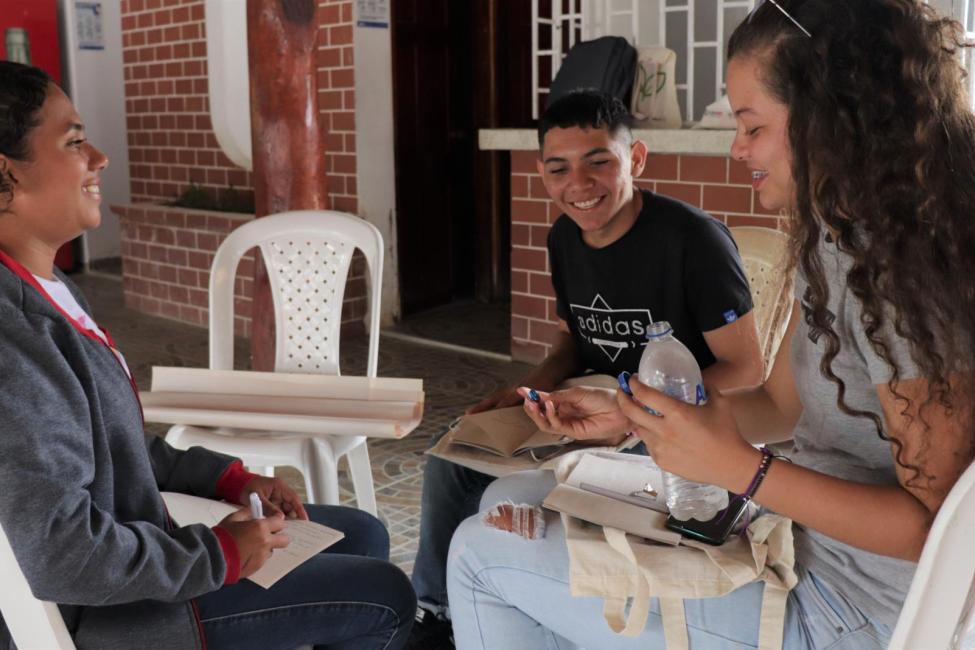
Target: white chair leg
[
  {"x": 361, "y": 470},
  {"x": 322, "y": 473}
]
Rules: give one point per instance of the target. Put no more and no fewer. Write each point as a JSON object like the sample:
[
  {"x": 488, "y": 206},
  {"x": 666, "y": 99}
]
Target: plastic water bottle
[{"x": 668, "y": 366}]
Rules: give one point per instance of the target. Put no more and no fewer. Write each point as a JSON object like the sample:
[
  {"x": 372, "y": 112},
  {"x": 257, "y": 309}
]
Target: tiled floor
[{"x": 451, "y": 380}]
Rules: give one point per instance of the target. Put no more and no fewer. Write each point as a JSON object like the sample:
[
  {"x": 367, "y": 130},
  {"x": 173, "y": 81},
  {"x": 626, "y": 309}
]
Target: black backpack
[{"x": 607, "y": 64}]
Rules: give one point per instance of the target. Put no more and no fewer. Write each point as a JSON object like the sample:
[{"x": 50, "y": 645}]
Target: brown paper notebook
[
  {"x": 509, "y": 432},
  {"x": 506, "y": 432},
  {"x": 508, "y": 440}
]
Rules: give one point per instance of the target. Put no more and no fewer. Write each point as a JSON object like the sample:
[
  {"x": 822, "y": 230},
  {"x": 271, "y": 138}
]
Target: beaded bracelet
[
  {"x": 747, "y": 495},
  {"x": 767, "y": 457}
]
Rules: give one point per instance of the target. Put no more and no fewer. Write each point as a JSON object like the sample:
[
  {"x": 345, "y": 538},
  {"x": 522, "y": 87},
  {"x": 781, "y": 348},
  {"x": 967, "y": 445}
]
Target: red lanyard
[{"x": 108, "y": 342}]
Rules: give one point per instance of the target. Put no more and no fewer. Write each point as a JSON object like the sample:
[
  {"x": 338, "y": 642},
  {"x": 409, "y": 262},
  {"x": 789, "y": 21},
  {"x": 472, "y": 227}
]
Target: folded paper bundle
[{"x": 301, "y": 403}]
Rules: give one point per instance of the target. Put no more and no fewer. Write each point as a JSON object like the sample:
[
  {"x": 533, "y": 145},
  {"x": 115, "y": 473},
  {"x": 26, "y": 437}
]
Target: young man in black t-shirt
[{"x": 621, "y": 258}]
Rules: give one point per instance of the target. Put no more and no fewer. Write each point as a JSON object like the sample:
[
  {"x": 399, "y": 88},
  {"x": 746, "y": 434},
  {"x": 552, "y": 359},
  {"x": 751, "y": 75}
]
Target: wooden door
[{"x": 435, "y": 144}]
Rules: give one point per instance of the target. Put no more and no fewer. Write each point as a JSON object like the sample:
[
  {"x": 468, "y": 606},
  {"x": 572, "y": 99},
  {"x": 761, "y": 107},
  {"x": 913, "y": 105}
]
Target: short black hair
[
  {"x": 23, "y": 89},
  {"x": 586, "y": 109}
]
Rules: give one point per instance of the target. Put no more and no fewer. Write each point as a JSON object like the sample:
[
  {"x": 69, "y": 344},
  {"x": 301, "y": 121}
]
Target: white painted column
[{"x": 375, "y": 160}]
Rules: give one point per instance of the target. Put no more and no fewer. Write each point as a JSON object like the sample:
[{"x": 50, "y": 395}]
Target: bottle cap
[{"x": 659, "y": 329}]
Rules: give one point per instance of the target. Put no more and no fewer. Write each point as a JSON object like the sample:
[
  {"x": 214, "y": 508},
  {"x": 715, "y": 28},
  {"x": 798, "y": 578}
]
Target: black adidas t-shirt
[{"x": 676, "y": 263}]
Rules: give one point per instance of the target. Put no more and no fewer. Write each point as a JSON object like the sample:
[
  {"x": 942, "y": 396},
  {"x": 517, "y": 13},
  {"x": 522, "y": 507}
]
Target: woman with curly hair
[{"x": 853, "y": 119}]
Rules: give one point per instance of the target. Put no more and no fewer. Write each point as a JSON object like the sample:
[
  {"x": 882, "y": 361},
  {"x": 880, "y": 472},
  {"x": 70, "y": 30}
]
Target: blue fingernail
[{"x": 624, "y": 380}]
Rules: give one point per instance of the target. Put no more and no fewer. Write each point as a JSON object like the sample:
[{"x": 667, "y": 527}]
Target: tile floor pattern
[{"x": 451, "y": 380}]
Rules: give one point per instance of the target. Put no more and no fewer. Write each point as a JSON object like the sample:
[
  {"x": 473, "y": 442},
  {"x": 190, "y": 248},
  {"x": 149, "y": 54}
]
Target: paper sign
[
  {"x": 89, "y": 24},
  {"x": 372, "y": 13}
]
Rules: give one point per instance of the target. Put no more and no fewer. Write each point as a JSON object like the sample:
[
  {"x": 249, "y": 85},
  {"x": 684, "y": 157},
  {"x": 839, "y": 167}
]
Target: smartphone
[{"x": 716, "y": 530}]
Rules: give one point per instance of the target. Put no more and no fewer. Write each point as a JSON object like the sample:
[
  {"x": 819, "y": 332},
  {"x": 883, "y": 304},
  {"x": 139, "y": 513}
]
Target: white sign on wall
[
  {"x": 89, "y": 17},
  {"x": 372, "y": 13}
]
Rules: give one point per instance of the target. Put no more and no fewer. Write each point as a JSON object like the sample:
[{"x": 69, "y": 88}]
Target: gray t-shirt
[{"x": 829, "y": 441}]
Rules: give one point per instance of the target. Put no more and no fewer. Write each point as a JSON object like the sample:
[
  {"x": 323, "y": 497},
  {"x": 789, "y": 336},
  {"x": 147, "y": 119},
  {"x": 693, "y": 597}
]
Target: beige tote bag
[{"x": 608, "y": 563}]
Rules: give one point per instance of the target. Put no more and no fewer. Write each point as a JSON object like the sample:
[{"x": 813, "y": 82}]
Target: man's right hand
[
  {"x": 255, "y": 538},
  {"x": 498, "y": 400}
]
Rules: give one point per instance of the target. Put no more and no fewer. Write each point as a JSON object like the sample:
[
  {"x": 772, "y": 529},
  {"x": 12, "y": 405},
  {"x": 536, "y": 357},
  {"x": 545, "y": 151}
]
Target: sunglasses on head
[{"x": 786, "y": 14}]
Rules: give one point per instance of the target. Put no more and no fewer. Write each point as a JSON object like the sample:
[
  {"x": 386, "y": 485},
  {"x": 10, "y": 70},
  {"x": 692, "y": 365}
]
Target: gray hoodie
[{"x": 80, "y": 482}]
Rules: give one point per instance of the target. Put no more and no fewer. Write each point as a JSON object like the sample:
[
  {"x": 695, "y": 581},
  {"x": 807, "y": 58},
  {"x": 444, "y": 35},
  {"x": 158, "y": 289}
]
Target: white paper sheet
[
  {"x": 307, "y": 538},
  {"x": 622, "y": 475}
]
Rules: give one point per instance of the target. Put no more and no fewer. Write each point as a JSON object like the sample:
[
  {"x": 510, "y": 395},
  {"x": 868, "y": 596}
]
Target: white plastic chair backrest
[
  {"x": 763, "y": 254},
  {"x": 34, "y": 624},
  {"x": 307, "y": 254},
  {"x": 935, "y": 601}
]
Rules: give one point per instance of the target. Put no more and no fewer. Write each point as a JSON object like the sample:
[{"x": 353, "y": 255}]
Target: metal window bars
[
  {"x": 696, "y": 29},
  {"x": 559, "y": 24}
]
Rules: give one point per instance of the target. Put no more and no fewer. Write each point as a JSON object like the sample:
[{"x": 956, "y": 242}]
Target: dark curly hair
[
  {"x": 23, "y": 90},
  {"x": 883, "y": 143}
]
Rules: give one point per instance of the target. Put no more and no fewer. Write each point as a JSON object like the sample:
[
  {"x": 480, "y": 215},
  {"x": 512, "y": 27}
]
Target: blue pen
[{"x": 533, "y": 396}]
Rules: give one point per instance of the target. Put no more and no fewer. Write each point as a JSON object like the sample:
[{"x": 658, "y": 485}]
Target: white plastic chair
[
  {"x": 935, "y": 603},
  {"x": 34, "y": 624},
  {"x": 763, "y": 254},
  {"x": 307, "y": 255}
]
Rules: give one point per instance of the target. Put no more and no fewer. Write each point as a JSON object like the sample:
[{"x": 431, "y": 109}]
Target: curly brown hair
[{"x": 883, "y": 142}]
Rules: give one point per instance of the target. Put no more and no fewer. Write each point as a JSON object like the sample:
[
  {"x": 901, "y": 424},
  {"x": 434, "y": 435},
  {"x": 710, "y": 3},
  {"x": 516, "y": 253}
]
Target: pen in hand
[{"x": 257, "y": 510}]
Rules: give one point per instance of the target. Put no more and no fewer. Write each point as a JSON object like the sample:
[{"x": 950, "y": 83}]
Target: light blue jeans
[{"x": 507, "y": 592}]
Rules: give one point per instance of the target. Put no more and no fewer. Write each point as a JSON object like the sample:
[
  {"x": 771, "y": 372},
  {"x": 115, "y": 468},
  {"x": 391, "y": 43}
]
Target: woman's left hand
[
  {"x": 278, "y": 494},
  {"x": 700, "y": 443}
]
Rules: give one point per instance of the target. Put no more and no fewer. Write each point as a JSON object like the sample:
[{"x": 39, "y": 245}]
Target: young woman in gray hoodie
[{"x": 80, "y": 481}]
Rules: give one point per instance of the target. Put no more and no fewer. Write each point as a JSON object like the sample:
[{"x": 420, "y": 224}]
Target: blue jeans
[
  {"x": 509, "y": 592},
  {"x": 451, "y": 494},
  {"x": 347, "y": 597}
]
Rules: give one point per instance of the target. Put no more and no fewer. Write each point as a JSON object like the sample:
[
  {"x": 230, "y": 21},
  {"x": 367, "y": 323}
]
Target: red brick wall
[
  {"x": 167, "y": 252},
  {"x": 166, "y": 256},
  {"x": 171, "y": 140},
  {"x": 719, "y": 185}
]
